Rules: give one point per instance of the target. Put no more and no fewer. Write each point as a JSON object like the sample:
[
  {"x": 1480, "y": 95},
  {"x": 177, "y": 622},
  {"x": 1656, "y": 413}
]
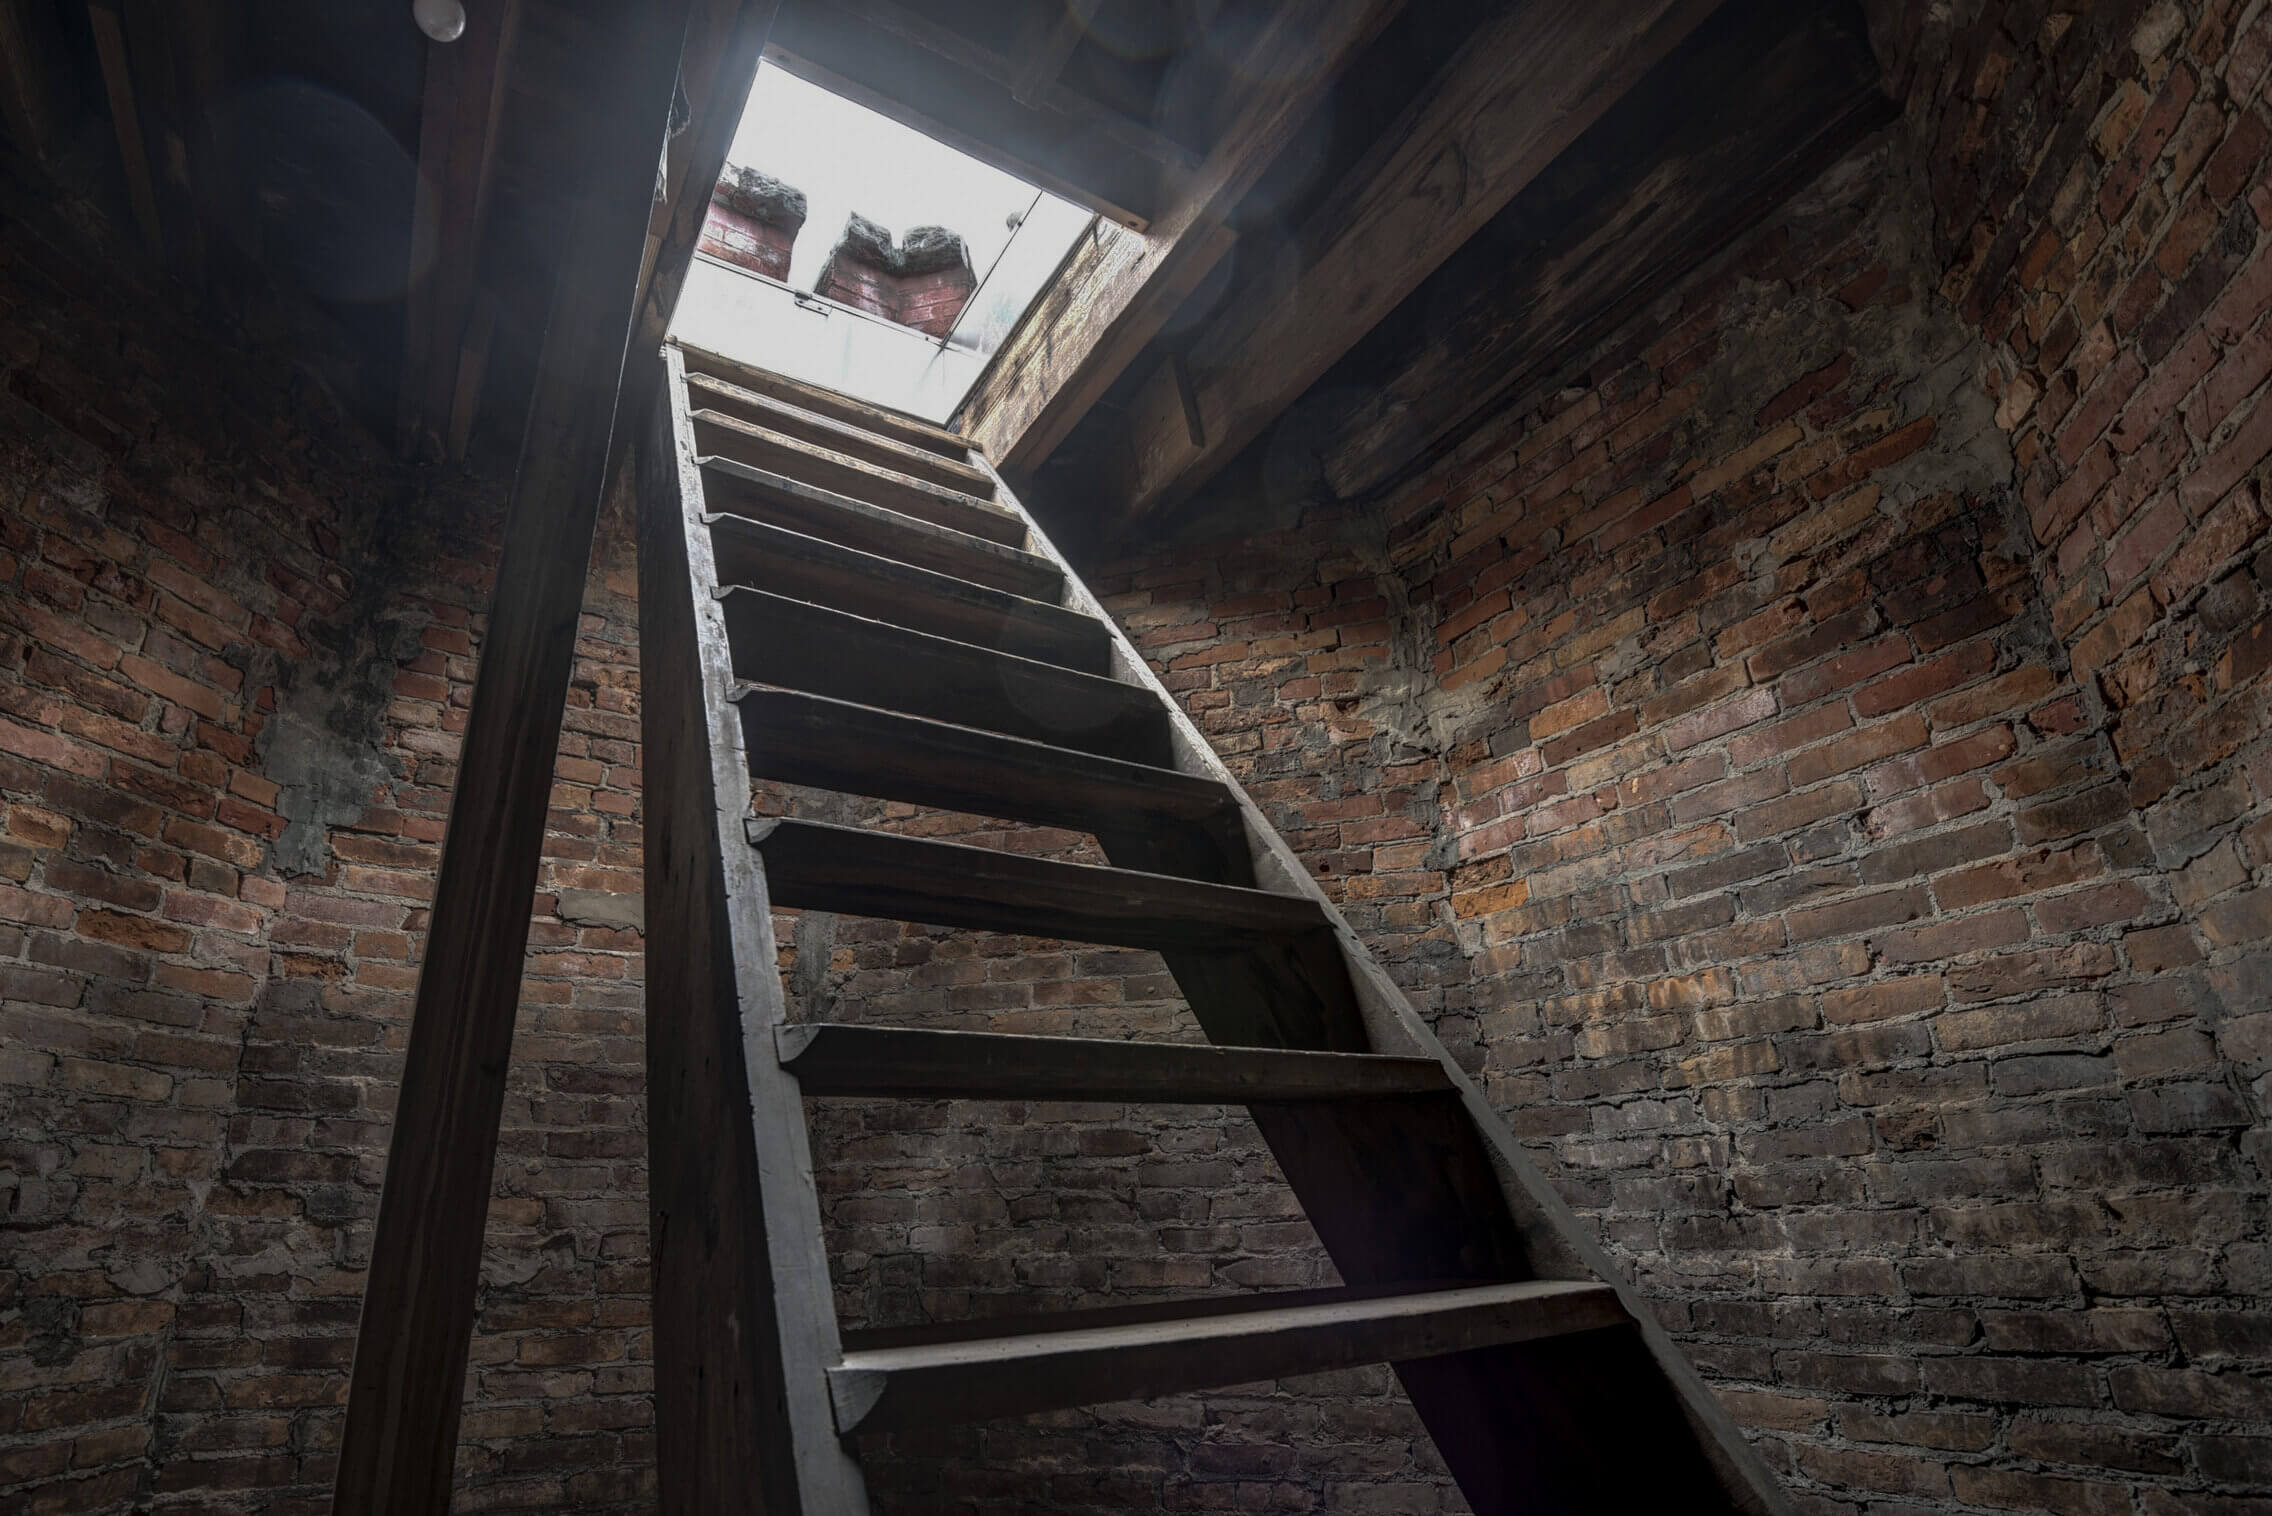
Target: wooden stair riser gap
[
  {"x": 936, "y": 1065},
  {"x": 1129, "y": 1313},
  {"x": 796, "y": 738},
  {"x": 903, "y": 1388},
  {"x": 755, "y": 555},
  {"x": 825, "y": 652},
  {"x": 840, "y": 436},
  {"x": 721, "y": 436},
  {"x": 815, "y": 866},
  {"x": 737, "y": 490}
]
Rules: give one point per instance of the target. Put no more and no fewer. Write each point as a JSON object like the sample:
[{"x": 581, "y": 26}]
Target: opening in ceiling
[{"x": 848, "y": 250}]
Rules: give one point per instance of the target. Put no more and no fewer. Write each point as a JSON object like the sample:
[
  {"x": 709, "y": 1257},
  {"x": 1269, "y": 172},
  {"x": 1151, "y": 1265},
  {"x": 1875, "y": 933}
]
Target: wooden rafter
[
  {"x": 109, "y": 27},
  {"x": 457, "y": 150},
  {"x": 1519, "y": 93},
  {"x": 1120, "y": 289}
]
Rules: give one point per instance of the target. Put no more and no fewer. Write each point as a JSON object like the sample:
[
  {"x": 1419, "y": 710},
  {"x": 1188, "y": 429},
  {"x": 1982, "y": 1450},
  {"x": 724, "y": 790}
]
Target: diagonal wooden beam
[
  {"x": 1522, "y": 90},
  {"x": 1051, "y": 47},
  {"x": 404, "y": 1395},
  {"x": 1119, "y": 288},
  {"x": 457, "y": 152},
  {"x": 109, "y": 27}
]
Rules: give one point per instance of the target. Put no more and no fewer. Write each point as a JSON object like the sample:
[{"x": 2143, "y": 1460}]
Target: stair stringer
[{"x": 1559, "y": 1242}]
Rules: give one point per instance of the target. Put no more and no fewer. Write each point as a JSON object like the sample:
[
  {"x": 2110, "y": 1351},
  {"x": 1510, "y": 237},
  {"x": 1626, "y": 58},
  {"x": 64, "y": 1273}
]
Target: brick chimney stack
[
  {"x": 922, "y": 282},
  {"x": 753, "y": 222}
]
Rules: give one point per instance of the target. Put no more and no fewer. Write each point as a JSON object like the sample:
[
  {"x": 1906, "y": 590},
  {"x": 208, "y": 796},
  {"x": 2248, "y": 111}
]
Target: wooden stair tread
[
  {"x": 817, "y": 866},
  {"x": 734, "y": 488},
  {"x": 719, "y": 435},
  {"x": 918, "y": 1063},
  {"x": 761, "y": 556},
  {"x": 891, "y": 1388},
  {"x": 873, "y": 418},
  {"x": 800, "y": 738},
  {"x": 809, "y": 425},
  {"x": 822, "y": 651}
]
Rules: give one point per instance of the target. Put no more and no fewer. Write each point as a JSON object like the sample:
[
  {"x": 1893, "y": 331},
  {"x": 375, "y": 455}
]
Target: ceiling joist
[{"x": 457, "y": 150}]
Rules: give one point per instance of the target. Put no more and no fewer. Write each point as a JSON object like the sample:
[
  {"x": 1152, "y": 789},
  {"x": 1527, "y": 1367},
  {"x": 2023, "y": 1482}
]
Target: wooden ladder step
[
  {"x": 841, "y": 436},
  {"x": 798, "y": 738},
  {"x": 816, "y": 866},
  {"x": 893, "y": 424},
  {"x": 883, "y": 1389},
  {"x": 718, "y": 435},
  {"x": 737, "y": 489},
  {"x": 936, "y": 1065},
  {"x": 758, "y": 555},
  {"x": 801, "y": 646}
]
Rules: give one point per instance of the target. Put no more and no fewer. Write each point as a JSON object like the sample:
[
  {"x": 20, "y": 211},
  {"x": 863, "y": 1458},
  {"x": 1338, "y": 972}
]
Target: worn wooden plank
[
  {"x": 405, "y": 1391},
  {"x": 738, "y": 489},
  {"x": 896, "y": 425},
  {"x": 826, "y": 652},
  {"x": 902, "y": 65},
  {"x": 1118, "y": 290},
  {"x": 826, "y": 431},
  {"x": 722, "y": 436},
  {"x": 459, "y": 114},
  {"x": 918, "y": 1064},
  {"x": 1476, "y": 135},
  {"x": 816, "y": 866},
  {"x": 806, "y": 739},
  {"x": 744, "y": 1322},
  {"x": 759, "y": 556},
  {"x": 885, "y": 1389}
]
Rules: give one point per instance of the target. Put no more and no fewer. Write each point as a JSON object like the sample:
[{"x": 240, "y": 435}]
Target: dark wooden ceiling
[
  {"x": 422, "y": 193},
  {"x": 1747, "y": 109}
]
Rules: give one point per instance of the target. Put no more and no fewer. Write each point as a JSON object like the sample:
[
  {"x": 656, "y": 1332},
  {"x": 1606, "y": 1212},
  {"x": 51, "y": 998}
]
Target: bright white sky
[{"x": 846, "y": 158}]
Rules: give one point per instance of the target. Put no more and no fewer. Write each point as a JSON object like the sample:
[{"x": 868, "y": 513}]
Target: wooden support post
[
  {"x": 404, "y": 1397},
  {"x": 457, "y": 147}
]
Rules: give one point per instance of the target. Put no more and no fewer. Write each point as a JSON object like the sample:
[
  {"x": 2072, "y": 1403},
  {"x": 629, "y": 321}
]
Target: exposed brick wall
[
  {"x": 236, "y": 646},
  {"x": 1835, "y": 833},
  {"x": 1813, "y": 766}
]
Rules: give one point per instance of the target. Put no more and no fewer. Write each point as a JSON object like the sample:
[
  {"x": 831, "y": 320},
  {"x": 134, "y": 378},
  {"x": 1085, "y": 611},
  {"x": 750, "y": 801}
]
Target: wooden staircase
[{"x": 839, "y": 597}]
